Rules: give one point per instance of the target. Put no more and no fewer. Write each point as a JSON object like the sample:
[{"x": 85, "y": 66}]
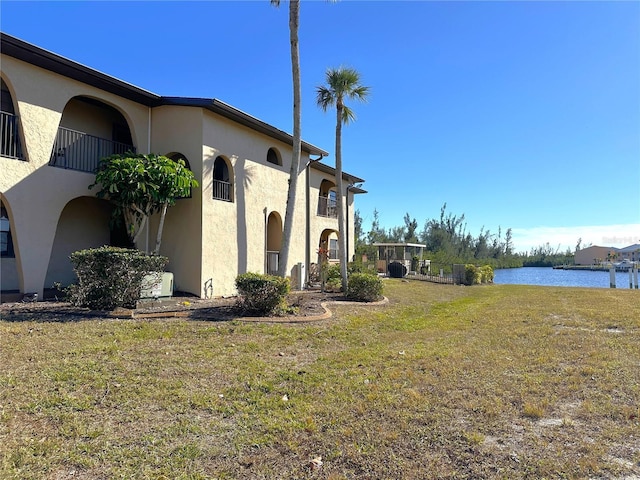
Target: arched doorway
[
  {"x": 274, "y": 242},
  {"x": 83, "y": 223}
]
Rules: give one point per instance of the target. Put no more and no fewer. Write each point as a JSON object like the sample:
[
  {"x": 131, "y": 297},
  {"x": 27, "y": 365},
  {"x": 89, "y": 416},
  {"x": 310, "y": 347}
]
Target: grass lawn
[{"x": 500, "y": 381}]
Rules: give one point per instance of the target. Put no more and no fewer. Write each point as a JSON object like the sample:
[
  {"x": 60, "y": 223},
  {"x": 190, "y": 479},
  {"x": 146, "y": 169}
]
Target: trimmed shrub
[
  {"x": 333, "y": 271},
  {"x": 364, "y": 287},
  {"x": 262, "y": 295},
  {"x": 111, "y": 277},
  {"x": 486, "y": 274},
  {"x": 333, "y": 284},
  {"x": 474, "y": 275},
  {"x": 471, "y": 274}
]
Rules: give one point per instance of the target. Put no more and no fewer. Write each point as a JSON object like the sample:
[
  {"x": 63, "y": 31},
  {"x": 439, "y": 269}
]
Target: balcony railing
[
  {"x": 80, "y": 151},
  {"x": 222, "y": 190},
  {"x": 327, "y": 207},
  {"x": 10, "y": 136},
  {"x": 272, "y": 262}
]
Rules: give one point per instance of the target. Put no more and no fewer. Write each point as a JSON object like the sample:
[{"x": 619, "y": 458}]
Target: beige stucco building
[
  {"x": 595, "y": 255},
  {"x": 60, "y": 117}
]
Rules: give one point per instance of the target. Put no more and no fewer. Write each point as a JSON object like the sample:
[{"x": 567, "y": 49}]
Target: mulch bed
[{"x": 308, "y": 306}]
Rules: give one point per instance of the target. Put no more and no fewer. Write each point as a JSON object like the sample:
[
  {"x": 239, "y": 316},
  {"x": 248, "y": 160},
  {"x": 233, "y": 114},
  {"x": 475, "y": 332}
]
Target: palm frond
[
  {"x": 325, "y": 98},
  {"x": 348, "y": 115}
]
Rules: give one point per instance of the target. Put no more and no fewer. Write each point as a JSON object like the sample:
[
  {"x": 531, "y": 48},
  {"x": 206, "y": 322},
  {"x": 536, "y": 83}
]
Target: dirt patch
[{"x": 305, "y": 305}]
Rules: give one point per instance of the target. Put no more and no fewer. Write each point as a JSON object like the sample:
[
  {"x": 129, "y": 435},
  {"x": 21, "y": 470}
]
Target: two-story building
[{"x": 59, "y": 118}]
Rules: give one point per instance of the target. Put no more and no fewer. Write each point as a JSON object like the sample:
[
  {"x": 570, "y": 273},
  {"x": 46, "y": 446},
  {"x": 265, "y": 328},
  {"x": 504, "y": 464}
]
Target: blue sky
[{"x": 522, "y": 115}]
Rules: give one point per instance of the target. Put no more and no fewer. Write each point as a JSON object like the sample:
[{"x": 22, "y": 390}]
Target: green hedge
[
  {"x": 364, "y": 287},
  {"x": 111, "y": 277},
  {"x": 262, "y": 294},
  {"x": 474, "y": 275}
]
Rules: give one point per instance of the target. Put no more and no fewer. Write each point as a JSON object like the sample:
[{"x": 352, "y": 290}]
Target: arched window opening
[
  {"x": 274, "y": 157},
  {"x": 6, "y": 242},
  {"x": 221, "y": 180},
  {"x": 89, "y": 131},
  {"x": 10, "y": 145},
  {"x": 327, "y": 200},
  {"x": 175, "y": 156}
]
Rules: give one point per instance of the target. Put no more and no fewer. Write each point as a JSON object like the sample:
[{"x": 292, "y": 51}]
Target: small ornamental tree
[{"x": 140, "y": 185}]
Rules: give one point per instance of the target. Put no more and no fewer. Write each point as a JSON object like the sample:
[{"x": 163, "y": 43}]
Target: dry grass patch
[{"x": 444, "y": 382}]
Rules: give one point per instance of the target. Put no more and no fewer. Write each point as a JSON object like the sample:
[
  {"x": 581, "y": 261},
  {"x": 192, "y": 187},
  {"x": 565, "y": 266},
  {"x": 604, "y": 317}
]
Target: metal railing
[
  {"x": 222, "y": 190},
  {"x": 272, "y": 262},
  {"x": 327, "y": 207},
  {"x": 80, "y": 151},
  {"x": 10, "y": 136}
]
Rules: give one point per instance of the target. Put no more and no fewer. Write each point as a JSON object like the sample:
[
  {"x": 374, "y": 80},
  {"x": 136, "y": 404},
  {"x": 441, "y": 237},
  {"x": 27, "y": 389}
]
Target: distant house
[
  {"x": 59, "y": 118},
  {"x": 631, "y": 253},
  {"x": 595, "y": 255}
]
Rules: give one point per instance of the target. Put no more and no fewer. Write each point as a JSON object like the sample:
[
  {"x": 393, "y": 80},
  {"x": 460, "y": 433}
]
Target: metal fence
[
  {"x": 327, "y": 207},
  {"x": 10, "y": 136},
  {"x": 222, "y": 190},
  {"x": 80, "y": 151}
]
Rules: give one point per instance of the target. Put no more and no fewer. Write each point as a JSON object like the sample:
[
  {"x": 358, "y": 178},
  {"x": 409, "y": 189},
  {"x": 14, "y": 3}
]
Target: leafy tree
[
  {"x": 410, "y": 225},
  {"x": 342, "y": 84},
  {"x": 139, "y": 185},
  {"x": 294, "y": 172}
]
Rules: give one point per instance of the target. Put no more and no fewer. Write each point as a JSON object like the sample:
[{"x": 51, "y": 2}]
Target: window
[
  {"x": 333, "y": 248},
  {"x": 221, "y": 180},
  {"x": 178, "y": 156},
  {"x": 273, "y": 157},
  {"x": 6, "y": 242}
]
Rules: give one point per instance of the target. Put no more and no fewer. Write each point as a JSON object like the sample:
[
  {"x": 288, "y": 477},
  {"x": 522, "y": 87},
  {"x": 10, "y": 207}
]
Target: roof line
[{"x": 27, "y": 52}]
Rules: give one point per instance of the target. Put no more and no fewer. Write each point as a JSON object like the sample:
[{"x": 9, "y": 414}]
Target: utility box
[
  {"x": 299, "y": 277},
  {"x": 157, "y": 285}
]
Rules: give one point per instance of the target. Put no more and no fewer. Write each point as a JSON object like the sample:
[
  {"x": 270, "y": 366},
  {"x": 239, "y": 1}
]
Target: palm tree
[
  {"x": 294, "y": 20},
  {"x": 341, "y": 84}
]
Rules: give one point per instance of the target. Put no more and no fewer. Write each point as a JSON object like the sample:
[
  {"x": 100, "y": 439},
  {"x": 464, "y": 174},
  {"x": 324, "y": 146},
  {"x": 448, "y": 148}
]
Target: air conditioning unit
[{"x": 157, "y": 285}]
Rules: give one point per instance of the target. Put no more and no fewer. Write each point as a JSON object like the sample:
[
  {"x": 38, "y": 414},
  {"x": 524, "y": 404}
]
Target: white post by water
[
  {"x": 612, "y": 276},
  {"x": 630, "y": 279},
  {"x": 635, "y": 275}
]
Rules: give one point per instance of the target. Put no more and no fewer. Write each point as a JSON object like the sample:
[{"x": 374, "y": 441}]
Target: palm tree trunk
[
  {"x": 342, "y": 241},
  {"x": 294, "y": 17}
]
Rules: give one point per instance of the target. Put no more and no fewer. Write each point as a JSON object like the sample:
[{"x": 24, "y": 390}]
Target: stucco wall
[
  {"x": 234, "y": 234},
  {"x": 35, "y": 192},
  {"x": 179, "y": 130}
]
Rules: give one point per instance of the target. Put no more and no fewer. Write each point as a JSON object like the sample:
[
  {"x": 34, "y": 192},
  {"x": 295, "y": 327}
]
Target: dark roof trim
[
  {"x": 332, "y": 171},
  {"x": 53, "y": 62},
  {"x": 224, "y": 109},
  {"x": 42, "y": 58}
]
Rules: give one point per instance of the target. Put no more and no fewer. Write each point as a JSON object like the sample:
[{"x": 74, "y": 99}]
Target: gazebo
[{"x": 401, "y": 253}]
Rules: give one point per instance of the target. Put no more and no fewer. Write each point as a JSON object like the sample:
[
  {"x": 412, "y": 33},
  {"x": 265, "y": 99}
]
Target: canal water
[{"x": 559, "y": 278}]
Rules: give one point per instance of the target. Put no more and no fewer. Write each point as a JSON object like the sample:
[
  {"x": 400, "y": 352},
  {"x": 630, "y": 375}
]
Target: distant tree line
[{"x": 448, "y": 241}]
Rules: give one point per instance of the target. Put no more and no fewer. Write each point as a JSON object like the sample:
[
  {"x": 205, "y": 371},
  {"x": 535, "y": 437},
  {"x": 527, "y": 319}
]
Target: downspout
[
  {"x": 146, "y": 240},
  {"x": 307, "y": 255},
  {"x": 347, "y": 220}
]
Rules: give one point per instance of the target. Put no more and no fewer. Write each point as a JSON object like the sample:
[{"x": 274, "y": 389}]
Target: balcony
[
  {"x": 327, "y": 207},
  {"x": 80, "y": 151},
  {"x": 222, "y": 190},
  {"x": 10, "y": 136}
]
